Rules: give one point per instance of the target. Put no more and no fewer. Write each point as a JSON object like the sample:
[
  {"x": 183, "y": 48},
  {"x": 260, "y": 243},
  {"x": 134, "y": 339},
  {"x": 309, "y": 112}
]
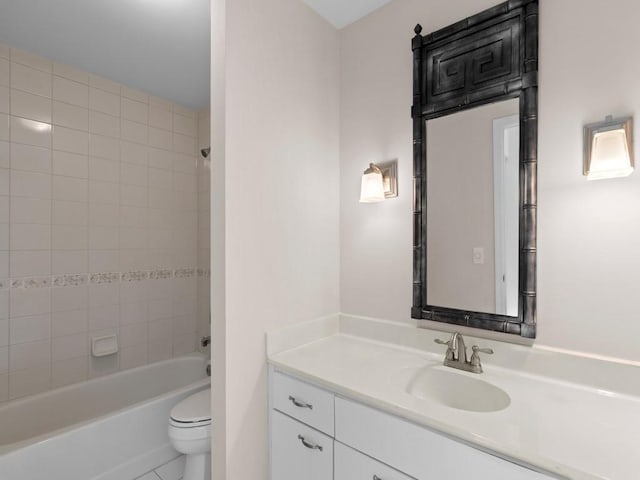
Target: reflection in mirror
[{"x": 473, "y": 209}]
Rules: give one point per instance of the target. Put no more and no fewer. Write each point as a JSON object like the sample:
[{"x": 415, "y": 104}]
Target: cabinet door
[
  {"x": 352, "y": 465},
  {"x": 299, "y": 452}
]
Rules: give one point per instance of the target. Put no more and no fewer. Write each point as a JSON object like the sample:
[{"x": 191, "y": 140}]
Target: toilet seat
[{"x": 193, "y": 411}]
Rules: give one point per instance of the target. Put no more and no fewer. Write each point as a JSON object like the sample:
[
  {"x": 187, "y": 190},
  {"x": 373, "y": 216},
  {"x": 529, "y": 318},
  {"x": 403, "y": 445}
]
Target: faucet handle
[
  {"x": 449, "y": 344},
  {"x": 475, "y": 358}
]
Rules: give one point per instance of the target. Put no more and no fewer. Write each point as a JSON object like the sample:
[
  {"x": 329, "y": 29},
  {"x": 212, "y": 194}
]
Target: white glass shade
[
  {"x": 610, "y": 156},
  {"x": 371, "y": 188}
]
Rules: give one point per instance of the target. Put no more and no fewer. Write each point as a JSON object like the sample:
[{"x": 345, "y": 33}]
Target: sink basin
[{"x": 457, "y": 390}]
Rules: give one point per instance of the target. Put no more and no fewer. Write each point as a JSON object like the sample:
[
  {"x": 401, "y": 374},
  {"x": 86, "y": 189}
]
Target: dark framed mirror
[{"x": 475, "y": 136}]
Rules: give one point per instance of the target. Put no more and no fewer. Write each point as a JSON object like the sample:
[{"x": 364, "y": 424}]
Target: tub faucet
[
  {"x": 205, "y": 341},
  {"x": 456, "y": 355}
]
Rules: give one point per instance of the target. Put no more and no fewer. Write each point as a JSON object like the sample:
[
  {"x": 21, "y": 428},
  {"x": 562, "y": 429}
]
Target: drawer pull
[
  {"x": 300, "y": 404},
  {"x": 309, "y": 445}
]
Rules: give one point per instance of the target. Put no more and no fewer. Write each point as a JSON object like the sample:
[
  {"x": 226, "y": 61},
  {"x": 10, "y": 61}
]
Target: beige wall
[
  {"x": 588, "y": 231},
  {"x": 98, "y": 225},
  {"x": 460, "y": 195},
  {"x": 281, "y": 170}
]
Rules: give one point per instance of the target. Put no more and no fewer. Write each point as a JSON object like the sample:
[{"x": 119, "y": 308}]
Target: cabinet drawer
[
  {"x": 298, "y": 451},
  {"x": 418, "y": 451},
  {"x": 304, "y": 402},
  {"x": 352, "y": 465}
]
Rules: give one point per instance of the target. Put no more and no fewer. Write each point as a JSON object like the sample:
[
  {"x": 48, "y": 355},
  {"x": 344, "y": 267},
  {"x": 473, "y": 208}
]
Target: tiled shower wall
[
  {"x": 98, "y": 225},
  {"x": 204, "y": 225}
]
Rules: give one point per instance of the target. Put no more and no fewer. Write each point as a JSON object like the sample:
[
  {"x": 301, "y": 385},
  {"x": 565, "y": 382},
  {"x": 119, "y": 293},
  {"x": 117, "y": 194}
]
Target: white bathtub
[{"x": 114, "y": 427}]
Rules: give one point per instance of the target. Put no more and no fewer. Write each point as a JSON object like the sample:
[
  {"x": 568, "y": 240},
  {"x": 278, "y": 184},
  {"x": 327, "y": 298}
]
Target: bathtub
[{"x": 109, "y": 428}]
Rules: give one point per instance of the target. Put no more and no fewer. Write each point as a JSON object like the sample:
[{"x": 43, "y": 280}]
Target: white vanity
[{"x": 348, "y": 407}]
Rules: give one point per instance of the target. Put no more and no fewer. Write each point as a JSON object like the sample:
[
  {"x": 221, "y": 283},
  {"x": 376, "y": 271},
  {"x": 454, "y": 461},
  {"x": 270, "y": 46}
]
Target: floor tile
[{"x": 172, "y": 470}]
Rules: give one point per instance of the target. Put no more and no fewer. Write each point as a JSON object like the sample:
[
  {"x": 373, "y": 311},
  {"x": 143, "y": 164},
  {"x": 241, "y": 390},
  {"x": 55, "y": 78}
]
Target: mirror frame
[{"x": 486, "y": 58}]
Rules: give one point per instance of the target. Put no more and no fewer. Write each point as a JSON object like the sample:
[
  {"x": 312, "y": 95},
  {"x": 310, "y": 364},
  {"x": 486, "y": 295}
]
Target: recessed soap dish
[{"x": 104, "y": 346}]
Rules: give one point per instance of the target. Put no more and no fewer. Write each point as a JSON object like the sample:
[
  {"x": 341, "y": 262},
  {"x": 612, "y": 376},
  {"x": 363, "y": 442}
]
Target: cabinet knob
[{"x": 309, "y": 445}]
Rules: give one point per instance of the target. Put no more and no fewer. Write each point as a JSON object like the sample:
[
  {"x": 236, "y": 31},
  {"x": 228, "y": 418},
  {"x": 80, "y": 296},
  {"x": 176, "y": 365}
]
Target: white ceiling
[
  {"x": 341, "y": 13},
  {"x": 159, "y": 46}
]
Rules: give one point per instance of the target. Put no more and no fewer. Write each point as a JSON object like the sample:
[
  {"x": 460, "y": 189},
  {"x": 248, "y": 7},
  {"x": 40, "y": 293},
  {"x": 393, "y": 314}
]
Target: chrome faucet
[{"x": 456, "y": 354}]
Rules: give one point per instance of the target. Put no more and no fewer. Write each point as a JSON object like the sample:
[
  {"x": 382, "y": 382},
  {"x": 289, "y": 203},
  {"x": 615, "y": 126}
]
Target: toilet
[{"x": 190, "y": 434}]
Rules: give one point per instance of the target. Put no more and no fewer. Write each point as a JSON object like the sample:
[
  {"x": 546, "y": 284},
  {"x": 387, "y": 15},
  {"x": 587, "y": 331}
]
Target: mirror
[
  {"x": 473, "y": 204},
  {"x": 475, "y": 132}
]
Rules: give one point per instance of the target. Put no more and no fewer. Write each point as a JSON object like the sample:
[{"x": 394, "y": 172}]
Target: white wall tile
[
  {"x": 70, "y": 189},
  {"x": 104, "y": 192},
  {"x": 30, "y": 158},
  {"x": 30, "y": 184},
  {"x": 30, "y": 132},
  {"x": 4, "y": 387},
  {"x": 70, "y": 140},
  {"x": 29, "y": 355},
  {"x": 5, "y": 99},
  {"x": 103, "y": 317},
  {"x": 104, "y": 147},
  {"x": 158, "y": 199},
  {"x": 104, "y": 84},
  {"x": 133, "y": 94},
  {"x": 133, "y": 238},
  {"x": 30, "y": 80},
  {"x": 67, "y": 372},
  {"x": 4, "y": 332},
  {"x": 30, "y": 237},
  {"x": 134, "y": 111},
  {"x": 68, "y": 322},
  {"x": 103, "y": 124},
  {"x": 70, "y": 164},
  {"x": 104, "y": 170},
  {"x": 5, "y": 181},
  {"x": 99, "y": 367},
  {"x": 185, "y": 125},
  {"x": 4, "y": 359},
  {"x": 185, "y": 164},
  {"x": 103, "y": 260},
  {"x": 105, "y": 102},
  {"x": 184, "y": 344},
  {"x": 29, "y": 382},
  {"x": 162, "y": 159},
  {"x": 4, "y": 264},
  {"x": 103, "y": 215},
  {"x": 29, "y": 263},
  {"x": 160, "y": 118},
  {"x": 133, "y": 217},
  {"x": 132, "y": 357},
  {"x": 160, "y": 178},
  {"x": 104, "y": 294},
  {"x": 131, "y": 313},
  {"x": 5, "y": 132},
  {"x": 69, "y": 261},
  {"x": 134, "y": 153},
  {"x": 5, "y": 154},
  {"x": 65, "y": 237},
  {"x": 4, "y": 209},
  {"x": 30, "y": 210},
  {"x": 131, "y": 174},
  {"x": 29, "y": 329},
  {"x": 134, "y": 259},
  {"x": 5, "y": 72},
  {"x": 70, "y": 73},
  {"x": 4, "y": 236},
  {"x": 103, "y": 238},
  {"x": 70, "y": 299},
  {"x": 70, "y": 116},
  {"x": 69, "y": 213},
  {"x": 28, "y": 105},
  {"x": 133, "y": 195},
  {"x": 69, "y": 91},
  {"x": 31, "y": 60},
  {"x": 161, "y": 238},
  {"x": 159, "y": 350},
  {"x": 134, "y": 334},
  {"x": 71, "y": 346},
  {"x": 159, "y": 138},
  {"x": 134, "y": 132}
]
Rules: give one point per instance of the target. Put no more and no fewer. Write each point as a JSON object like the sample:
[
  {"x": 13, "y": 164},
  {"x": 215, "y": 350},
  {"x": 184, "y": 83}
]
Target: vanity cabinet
[{"x": 317, "y": 435}]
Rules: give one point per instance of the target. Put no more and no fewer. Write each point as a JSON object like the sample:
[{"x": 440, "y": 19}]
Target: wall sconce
[
  {"x": 379, "y": 182},
  {"x": 608, "y": 148}
]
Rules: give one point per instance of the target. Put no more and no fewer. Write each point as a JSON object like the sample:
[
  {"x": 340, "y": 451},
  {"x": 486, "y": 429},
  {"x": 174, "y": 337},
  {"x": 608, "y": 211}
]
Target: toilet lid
[{"x": 193, "y": 409}]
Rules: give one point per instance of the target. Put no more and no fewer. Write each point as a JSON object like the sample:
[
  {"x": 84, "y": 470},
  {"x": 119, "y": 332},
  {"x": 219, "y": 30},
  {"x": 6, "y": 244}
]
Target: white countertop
[{"x": 567, "y": 429}]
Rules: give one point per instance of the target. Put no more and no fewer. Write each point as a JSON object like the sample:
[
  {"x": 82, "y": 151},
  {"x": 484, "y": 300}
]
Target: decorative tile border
[
  {"x": 76, "y": 280},
  {"x": 204, "y": 272}
]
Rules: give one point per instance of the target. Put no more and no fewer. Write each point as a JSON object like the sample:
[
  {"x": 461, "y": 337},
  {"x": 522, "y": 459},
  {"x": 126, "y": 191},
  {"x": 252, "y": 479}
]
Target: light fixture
[
  {"x": 608, "y": 148},
  {"x": 379, "y": 182}
]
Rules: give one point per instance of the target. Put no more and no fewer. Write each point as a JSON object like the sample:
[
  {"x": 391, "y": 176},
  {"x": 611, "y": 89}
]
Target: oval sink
[{"x": 457, "y": 391}]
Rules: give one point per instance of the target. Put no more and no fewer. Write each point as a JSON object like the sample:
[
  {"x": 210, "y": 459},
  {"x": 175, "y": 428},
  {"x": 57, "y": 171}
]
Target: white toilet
[{"x": 190, "y": 433}]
